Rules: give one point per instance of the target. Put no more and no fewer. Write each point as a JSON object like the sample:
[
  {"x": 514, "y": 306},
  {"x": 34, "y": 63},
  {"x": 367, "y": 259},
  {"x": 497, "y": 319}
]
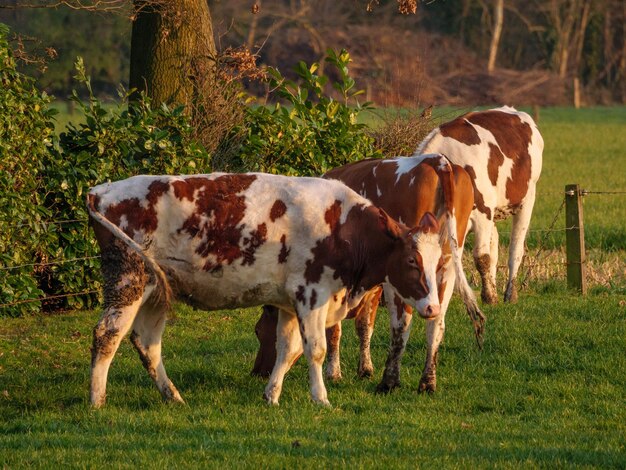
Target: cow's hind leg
[
  {"x": 124, "y": 292},
  {"x": 483, "y": 229},
  {"x": 519, "y": 229},
  {"x": 364, "y": 323},
  {"x": 146, "y": 337},
  {"x": 288, "y": 349},
  {"x": 312, "y": 329}
]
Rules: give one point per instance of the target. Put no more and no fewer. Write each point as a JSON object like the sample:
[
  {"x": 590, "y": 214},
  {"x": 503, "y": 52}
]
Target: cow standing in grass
[
  {"x": 502, "y": 151},
  {"x": 407, "y": 188},
  {"x": 311, "y": 247}
]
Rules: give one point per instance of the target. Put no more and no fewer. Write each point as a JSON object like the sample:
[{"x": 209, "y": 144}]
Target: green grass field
[{"x": 548, "y": 390}]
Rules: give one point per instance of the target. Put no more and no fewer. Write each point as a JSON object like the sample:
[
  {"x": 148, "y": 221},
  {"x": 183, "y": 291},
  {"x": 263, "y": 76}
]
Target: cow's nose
[{"x": 432, "y": 310}]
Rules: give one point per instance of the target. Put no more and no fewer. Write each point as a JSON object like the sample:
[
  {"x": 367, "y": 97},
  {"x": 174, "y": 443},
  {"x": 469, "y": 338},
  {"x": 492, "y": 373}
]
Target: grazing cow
[
  {"x": 502, "y": 150},
  {"x": 407, "y": 188},
  {"x": 308, "y": 246}
]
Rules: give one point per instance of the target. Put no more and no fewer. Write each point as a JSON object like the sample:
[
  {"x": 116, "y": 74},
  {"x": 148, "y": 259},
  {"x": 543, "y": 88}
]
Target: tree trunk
[
  {"x": 498, "y": 19},
  {"x": 172, "y": 43}
]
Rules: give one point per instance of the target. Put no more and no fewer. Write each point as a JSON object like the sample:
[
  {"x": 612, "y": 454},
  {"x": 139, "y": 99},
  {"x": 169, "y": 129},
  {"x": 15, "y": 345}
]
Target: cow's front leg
[
  {"x": 312, "y": 328},
  {"x": 288, "y": 349},
  {"x": 400, "y": 320},
  {"x": 434, "y": 334},
  {"x": 333, "y": 341},
  {"x": 435, "y": 329}
]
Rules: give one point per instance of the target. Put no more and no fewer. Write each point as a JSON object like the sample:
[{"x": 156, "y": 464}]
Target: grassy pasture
[{"x": 547, "y": 390}]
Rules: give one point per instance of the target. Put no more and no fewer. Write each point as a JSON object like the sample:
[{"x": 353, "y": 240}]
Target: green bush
[
  {"x": 26, "y": 136},
  {"x": 314, "y": 132},
  {"x": 114, "y": 143}
]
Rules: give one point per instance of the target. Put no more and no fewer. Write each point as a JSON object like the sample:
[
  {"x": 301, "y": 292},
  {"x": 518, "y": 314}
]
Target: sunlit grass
[{"x": 547, "y": 390}]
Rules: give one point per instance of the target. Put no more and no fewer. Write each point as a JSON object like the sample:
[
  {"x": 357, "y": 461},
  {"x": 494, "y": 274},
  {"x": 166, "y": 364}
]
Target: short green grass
[{"x": 547, "y": 391}]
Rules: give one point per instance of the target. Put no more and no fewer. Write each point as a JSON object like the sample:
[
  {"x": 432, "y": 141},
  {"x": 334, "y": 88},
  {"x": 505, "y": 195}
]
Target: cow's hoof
[
  {"x": 98, "y": 404},
  {"x": 365, "y": 372},
  {"x": 489, "y": 298},
  {"x": 270, "y": 401},
  {"x": 334, "y": 376},
  {"x": 428, "y": 386},
  {"x": 322, "y": 402},
  {"x": 385, "y": 387},
  {"x": 511, "y": 294}
]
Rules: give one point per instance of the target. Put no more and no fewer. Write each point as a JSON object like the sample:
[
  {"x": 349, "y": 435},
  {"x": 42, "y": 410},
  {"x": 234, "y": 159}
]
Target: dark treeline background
[{"x": 459, "y": 52}]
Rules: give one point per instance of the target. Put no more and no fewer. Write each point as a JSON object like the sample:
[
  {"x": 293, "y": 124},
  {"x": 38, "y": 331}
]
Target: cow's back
[
  {"x": 501, "y": 149},
  {"x": 403, "y": 186}
]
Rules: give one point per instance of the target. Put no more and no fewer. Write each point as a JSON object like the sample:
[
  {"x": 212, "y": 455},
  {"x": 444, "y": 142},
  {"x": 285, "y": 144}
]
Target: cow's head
[{"x": 412, "y": 266}]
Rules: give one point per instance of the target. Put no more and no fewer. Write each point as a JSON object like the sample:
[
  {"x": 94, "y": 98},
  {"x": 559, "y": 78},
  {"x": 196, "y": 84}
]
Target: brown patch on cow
[
  {"x": 488, "y": 293},
  {"x": 217, "y": 217},
  {"x": 278, "y": 210},
  {"x": 399, "y": 306},
  {"x": 442, "y": 288},
  {"x": 300, "y": 295},
  {"x": 138, "y": 217},
  {"x": 496, "y": 159},
  {"x": 284, "y": 251},
  {"x": 479, "y": 201},
  {"x": 513, "y": 137},
  {"x": 257, "y": 238},
  {"x": 332, "y": 215},
  {"x": 313, "y": 299},
  {"x": 461, "y": 130}
]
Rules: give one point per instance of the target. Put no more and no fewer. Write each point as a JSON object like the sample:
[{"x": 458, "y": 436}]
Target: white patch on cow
[
  {"x": 412, "y": 181},
  {"x": 404, "y": 165},
  {"x": 429, "y": 248},
  {"x": 378, "y": 191}
]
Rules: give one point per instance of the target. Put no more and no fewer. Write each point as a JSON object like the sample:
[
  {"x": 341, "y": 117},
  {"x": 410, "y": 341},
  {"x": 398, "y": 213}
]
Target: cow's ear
[
  {"x": 388, "y": 225},
  {"x": 428, "y": 224}
]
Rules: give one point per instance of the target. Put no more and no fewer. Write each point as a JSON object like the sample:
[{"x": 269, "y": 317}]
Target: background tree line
[{"x": 448, "y": 52}]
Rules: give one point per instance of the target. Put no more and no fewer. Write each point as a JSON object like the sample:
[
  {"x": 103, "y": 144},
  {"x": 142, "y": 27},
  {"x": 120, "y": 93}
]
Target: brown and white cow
[
  {"x": 407, "y": 188},
  {"x": 308, "y": 246},
  {"x": 502, "y": 151}
]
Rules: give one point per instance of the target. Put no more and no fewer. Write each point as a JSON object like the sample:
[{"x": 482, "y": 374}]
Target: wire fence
[{"x": 527, "y": 266}]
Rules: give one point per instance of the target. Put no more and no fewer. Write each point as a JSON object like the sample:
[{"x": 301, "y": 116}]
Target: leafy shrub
[
  {"x": 113, "y": 143},
  {"x": 26, "y": 136},
  {"x": 313, "y": 133}
]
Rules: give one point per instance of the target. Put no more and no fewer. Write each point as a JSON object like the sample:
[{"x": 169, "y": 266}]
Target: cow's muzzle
[{"x": 430, "y": 311}]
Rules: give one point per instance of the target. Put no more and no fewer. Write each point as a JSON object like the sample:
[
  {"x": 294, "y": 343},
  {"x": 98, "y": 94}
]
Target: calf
[
  {"x": 407, "y": 188},
  {"x": 502, "y": 150},
  {"x": 308, "y": 246}
]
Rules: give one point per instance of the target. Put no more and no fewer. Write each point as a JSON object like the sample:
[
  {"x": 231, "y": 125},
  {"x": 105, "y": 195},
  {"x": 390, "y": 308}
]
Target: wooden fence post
[{"x": 575, "y": 239}]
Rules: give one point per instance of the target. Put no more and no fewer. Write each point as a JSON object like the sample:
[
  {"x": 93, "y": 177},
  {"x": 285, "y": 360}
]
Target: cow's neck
[{"x": 370, "y": 251}]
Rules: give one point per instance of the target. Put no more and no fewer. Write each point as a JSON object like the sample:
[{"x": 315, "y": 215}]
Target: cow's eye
[{"x": 413, "y": 262}]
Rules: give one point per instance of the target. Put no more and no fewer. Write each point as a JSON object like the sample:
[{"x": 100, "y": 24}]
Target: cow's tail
[
  {"x": 162, "y": 296},
  {"x": 446, "y": 176}
]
